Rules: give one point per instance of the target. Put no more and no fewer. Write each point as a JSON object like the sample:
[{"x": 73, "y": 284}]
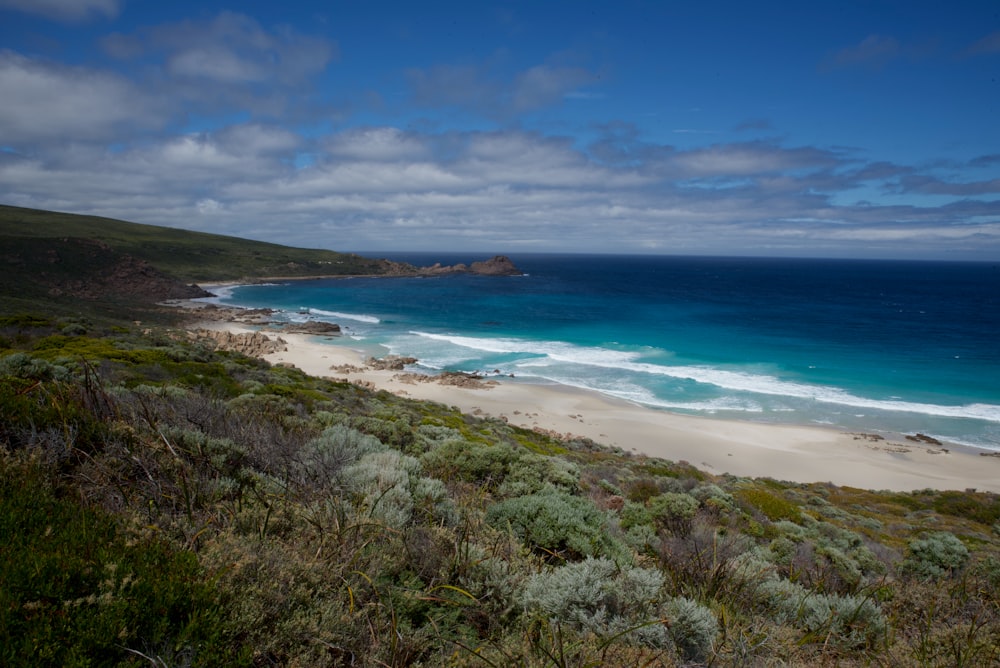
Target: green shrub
[
  {"x": 382, "y": 481},
  {"x": 674, "y": 511},
  {"x": 75, "y": 591},
  {"x": 849, "y": 621},
  {"x": 57, "y": 417},
  {"x": 501, "y": 468},
  {"x": 983, "y": 508},
  {"x": 633, "y": 515},
  {"x": 693, "y": 628},
  {"x": 843, "y": 564},
  {"x": 397, "y": 433},
  {"x": 556, "y": 524},
  {"x": 431, "y": 502},
  {"x": 482, "y": 465},
  {"x": 23, "y": 365},
  {"x": 322, "y": 459},
  {"x": 783, "y": 549},
  {"x": 430, "y": 435},
  {"x": 597, "y": 596},
  {"x": 642, "y": 490},
  {"x": 935, "y": 555},
  {"x": 792, "y": 530},
  {"x": 771, "y": 505},
  {"x": 530, "y": 473},
  {"x": 713, "y": 496}
]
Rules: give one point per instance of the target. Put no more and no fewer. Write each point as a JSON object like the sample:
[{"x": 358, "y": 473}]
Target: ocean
[{"x": 875, "y": 346}]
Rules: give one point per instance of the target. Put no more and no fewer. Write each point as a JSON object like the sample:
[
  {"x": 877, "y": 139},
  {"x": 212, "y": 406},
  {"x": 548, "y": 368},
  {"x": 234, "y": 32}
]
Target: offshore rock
[
  {"x": 317, "y": 327},
  {"x": 499, "y": 265},
  {"x": 389, "y": 363}
]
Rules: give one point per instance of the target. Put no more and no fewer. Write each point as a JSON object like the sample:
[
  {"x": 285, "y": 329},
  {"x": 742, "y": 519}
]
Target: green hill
[{"x": 188, "y": 256}]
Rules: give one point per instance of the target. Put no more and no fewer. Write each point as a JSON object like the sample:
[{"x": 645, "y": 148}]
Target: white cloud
[
  {"x": 484, "y": 89},
  {"x": 382, "y": 187},
  {"x": 226, "y": 63},
  {"x": 217, "y": 63},
  {"x": 45, "y": 102},
  {"x": 257, "y": 139},
  {"x": 235, "y": 49},
  {"x": 543, "y": 85},
  {"x": 65, "y": 10},
  {"x": 749, "y": 159},
  {"x": 377, "y": 143}
]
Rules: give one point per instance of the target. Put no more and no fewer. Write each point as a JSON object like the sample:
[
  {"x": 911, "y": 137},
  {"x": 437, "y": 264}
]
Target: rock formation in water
[{"x": 499, "y": 265}]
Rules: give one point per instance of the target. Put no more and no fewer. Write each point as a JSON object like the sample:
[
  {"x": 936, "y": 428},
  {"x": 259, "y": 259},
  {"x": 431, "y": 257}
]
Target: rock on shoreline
[{"x": 253, "y": 344}]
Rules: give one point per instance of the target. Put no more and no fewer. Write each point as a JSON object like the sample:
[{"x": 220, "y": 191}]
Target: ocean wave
[
  {"x": 770, "y": 385},
  {"x": 554, "y": 350},
  {"x": 739, "y": 381},
  {"x": 219, "y": 293},
  {"x": 225, "y": 291},
  {"x": 344, "y": 316}
]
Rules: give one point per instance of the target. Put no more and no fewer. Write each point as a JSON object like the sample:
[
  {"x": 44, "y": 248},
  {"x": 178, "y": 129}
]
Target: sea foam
[
  {"x": 344, "y": 316},
  {"x": 548, "y": 352}
]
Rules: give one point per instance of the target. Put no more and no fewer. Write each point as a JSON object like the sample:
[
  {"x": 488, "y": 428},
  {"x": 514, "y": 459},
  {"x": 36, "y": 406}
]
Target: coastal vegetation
[
  {"x": 188, "y": 256},
  {"x": 166, "y": 503}
]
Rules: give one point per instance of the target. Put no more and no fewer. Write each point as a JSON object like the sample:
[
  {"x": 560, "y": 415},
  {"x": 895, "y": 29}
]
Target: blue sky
[{"x": 841, "y": 129}]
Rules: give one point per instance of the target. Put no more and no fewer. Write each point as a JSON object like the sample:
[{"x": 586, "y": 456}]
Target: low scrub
[{"x": 169, "y": 505}]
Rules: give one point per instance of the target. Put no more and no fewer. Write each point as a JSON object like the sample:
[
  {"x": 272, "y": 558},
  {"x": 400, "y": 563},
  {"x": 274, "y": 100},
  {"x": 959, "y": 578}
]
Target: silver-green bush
[
  {"x": 599, "y": 597},
  {"x": 936, "y": 554},
  {"x": 555, "y": 522},
  {"x": 693, "y": 628}
]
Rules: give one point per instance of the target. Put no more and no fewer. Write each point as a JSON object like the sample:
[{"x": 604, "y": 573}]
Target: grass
[{"x": 189, "y": 256}]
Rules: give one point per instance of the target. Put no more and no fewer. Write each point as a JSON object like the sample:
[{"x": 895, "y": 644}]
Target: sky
[{"x": 810, "y": 129}]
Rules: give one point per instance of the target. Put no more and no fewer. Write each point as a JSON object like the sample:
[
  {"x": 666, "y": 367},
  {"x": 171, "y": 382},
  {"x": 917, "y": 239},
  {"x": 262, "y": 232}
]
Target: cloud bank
[{"x": 273, "y": 163}]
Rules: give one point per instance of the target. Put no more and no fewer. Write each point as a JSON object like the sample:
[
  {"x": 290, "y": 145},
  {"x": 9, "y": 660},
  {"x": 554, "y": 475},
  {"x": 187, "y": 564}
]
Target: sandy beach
[{"x": 795, "y": 453}]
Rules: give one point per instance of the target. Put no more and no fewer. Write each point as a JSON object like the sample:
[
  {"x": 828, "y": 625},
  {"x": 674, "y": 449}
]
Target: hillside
[
  {"x": 163, "y": 502},
  {"x": 187, "y": 256}
]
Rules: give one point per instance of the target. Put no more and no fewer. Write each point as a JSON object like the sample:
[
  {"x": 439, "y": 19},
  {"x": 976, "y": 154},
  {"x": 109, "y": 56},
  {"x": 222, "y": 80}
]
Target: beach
[{"x": 794, "y": 453}]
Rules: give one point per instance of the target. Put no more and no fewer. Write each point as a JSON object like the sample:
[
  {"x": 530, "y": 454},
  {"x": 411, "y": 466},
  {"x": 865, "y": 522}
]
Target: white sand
[{"x": 800, "y": 454}]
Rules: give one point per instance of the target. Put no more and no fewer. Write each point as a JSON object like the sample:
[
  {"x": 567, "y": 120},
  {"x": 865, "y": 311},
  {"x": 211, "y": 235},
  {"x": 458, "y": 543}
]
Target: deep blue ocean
[{"x": 878, "y": 346}]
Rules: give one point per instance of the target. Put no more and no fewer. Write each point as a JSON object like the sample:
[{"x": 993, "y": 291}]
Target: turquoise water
[{"x": 875, "y": 346}]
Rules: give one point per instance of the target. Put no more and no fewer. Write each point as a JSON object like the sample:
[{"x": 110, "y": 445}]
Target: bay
[{"x": 877, "y": 346}]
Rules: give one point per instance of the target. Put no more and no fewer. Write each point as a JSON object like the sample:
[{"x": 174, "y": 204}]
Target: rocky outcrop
[
  {"x": 389, "y": 363},
  {"x": 470, "y": 381},
  {"x": 499, "y": 265},
  {"x": 253, "y": 344},
  {"x": 244, "y": 316},
  {"x": 314, "y": 327}
]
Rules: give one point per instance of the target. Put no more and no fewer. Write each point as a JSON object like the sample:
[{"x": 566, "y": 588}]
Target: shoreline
[{"x": 793, "y": 453}]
